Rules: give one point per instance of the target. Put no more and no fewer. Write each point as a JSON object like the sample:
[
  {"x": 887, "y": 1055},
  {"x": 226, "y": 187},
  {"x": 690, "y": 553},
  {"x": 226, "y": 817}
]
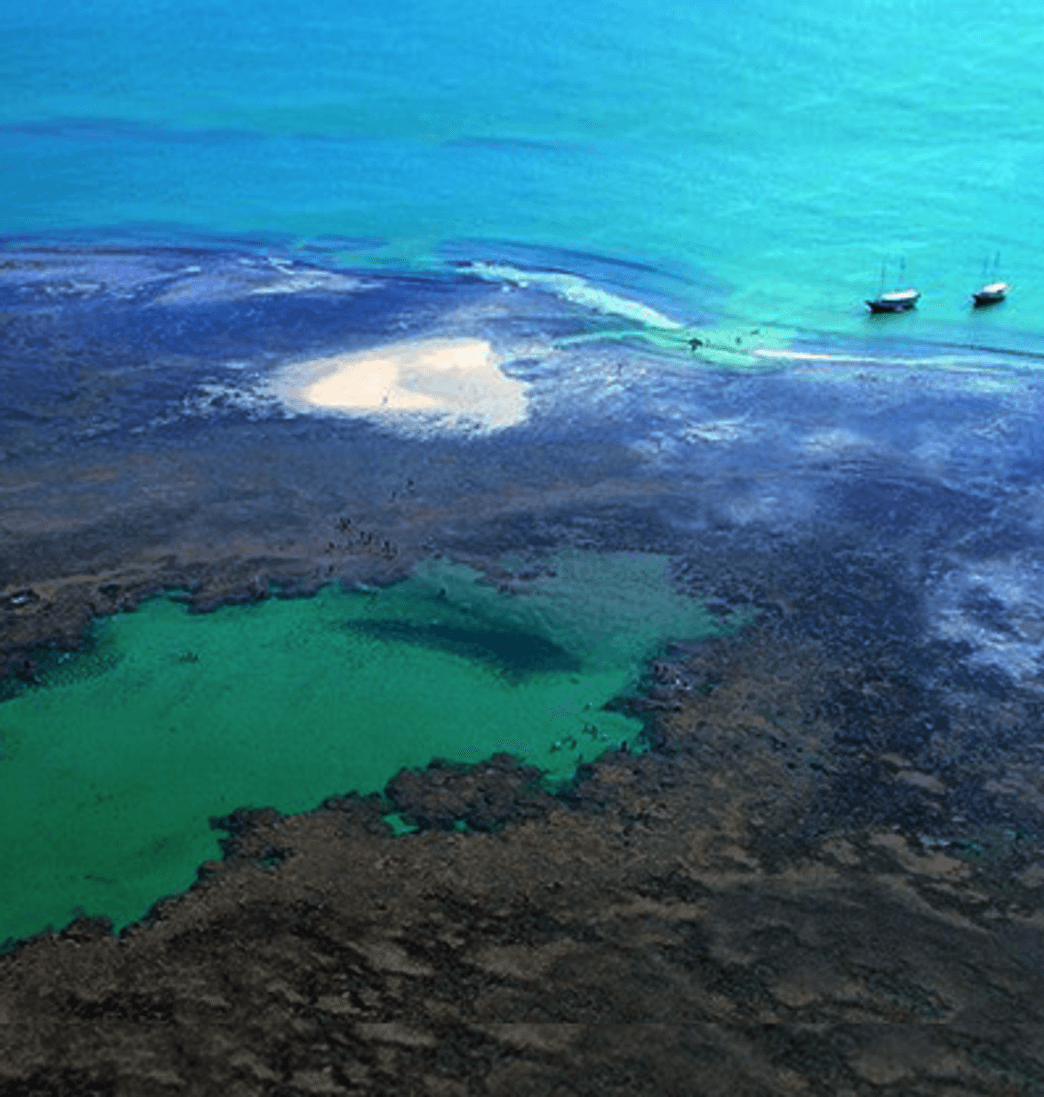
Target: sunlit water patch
[{"x": 112, "y": 767}]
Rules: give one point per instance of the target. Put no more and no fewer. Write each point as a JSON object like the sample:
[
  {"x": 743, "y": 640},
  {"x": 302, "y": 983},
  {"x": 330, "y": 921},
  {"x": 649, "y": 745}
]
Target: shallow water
[{"x": 111, "y": 769}]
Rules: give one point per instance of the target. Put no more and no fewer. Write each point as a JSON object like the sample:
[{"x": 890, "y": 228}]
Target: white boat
[
  {"x": 990, "y": 294},
  {"x": 898, "y": 301}
]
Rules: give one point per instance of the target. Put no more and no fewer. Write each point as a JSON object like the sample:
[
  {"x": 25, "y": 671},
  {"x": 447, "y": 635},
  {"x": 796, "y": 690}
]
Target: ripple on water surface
[{"x": 112, "y": 768}]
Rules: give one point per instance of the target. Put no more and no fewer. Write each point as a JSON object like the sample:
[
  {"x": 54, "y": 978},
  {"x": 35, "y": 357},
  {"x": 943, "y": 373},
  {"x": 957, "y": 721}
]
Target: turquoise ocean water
[{"x": 772, "y": 154}]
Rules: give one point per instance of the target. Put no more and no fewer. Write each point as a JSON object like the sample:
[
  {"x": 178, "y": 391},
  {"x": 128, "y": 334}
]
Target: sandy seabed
[{"x": 451, "y": 378}]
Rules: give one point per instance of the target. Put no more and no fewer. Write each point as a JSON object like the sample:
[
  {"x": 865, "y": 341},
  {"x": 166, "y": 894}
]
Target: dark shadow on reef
[{"x": 516, "y": 655}]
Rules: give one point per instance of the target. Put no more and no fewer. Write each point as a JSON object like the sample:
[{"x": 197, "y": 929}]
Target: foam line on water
[{"x": 572, "y": 287}]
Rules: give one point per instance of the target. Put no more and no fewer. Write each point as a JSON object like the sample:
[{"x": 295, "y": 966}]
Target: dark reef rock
[{"x": 482, "y": 798}]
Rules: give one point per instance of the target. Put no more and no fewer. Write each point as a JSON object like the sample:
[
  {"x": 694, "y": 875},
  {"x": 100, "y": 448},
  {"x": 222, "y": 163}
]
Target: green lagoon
[{"x": 113, "y": 765}]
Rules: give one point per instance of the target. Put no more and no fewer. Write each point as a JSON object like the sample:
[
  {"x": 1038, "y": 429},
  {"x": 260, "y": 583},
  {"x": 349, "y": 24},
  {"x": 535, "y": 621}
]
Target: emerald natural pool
[{"x": 113, "y": 766}]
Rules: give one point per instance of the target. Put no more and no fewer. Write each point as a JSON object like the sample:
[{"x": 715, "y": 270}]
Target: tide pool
[{"x": 113, "y": 766}]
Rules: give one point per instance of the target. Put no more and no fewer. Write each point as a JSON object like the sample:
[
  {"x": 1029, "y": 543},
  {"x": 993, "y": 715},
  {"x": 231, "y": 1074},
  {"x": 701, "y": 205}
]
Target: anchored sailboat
[
  {"x": 991, "y": 292},
  {"x": 899, "y": 300}
]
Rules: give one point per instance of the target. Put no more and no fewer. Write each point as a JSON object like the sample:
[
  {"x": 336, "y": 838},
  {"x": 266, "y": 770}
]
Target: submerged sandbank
[{"x": 454, "y": 378}]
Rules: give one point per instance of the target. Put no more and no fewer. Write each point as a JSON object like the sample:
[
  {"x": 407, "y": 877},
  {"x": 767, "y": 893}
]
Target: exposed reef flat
[{"x": 826, "y": 874}]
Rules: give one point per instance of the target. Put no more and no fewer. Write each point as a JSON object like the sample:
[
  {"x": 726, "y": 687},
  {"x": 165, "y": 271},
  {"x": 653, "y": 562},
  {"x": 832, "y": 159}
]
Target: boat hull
[
  {"x": 990, "y": 295},
  {"x": 884, "y": 304}
]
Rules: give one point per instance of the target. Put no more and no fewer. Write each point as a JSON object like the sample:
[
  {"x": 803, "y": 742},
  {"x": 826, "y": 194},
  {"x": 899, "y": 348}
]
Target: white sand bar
[{"x": 455, "y": 378}]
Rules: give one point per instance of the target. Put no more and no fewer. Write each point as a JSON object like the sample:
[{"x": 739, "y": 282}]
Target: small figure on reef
[
  {"x": 694, "y": 342},
  {"x": 25, "y": 671}
]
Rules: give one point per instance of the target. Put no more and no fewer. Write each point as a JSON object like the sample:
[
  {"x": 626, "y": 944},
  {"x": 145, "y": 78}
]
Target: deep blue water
[{"x": 766, "y": 158}]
